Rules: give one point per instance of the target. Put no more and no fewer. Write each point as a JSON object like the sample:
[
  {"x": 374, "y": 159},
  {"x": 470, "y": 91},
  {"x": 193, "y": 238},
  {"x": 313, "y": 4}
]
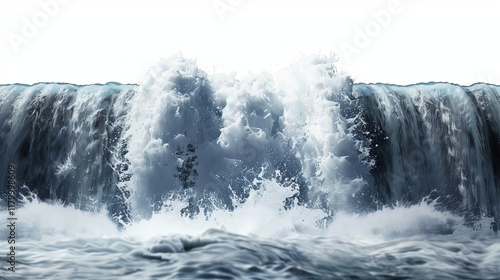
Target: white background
[{"x": 94, "y": 41}]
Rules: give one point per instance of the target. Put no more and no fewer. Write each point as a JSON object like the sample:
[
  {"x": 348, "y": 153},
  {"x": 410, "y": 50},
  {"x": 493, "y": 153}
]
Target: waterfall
[{"x": 208, "y": 140}]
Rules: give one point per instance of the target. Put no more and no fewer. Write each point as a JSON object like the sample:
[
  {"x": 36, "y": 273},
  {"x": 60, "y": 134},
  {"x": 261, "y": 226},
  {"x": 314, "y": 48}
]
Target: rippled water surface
[{"x": 220, "y": 255}]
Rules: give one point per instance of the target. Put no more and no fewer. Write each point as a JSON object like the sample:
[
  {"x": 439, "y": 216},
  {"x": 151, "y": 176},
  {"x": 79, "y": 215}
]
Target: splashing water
[{"x": 300, "y": 175}]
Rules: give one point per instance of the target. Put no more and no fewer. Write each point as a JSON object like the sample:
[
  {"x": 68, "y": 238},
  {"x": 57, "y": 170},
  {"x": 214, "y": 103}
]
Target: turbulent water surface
[{"x": 298, "y": 175}]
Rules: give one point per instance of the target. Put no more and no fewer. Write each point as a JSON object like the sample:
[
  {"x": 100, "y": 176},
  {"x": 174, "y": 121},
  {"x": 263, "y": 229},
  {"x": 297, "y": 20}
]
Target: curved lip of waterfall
[
  {"x": 431, "y": 83},
  {"x": 111, "y": 83}
]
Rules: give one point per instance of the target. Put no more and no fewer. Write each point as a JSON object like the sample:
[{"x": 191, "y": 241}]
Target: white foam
[
  {"x": 262, "y": 214},
  {"x": 52, "y": 220}
]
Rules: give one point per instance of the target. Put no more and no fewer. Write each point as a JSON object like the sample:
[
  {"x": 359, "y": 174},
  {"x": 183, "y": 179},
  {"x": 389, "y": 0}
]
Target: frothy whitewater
[{"x": 298, "y": 175}]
